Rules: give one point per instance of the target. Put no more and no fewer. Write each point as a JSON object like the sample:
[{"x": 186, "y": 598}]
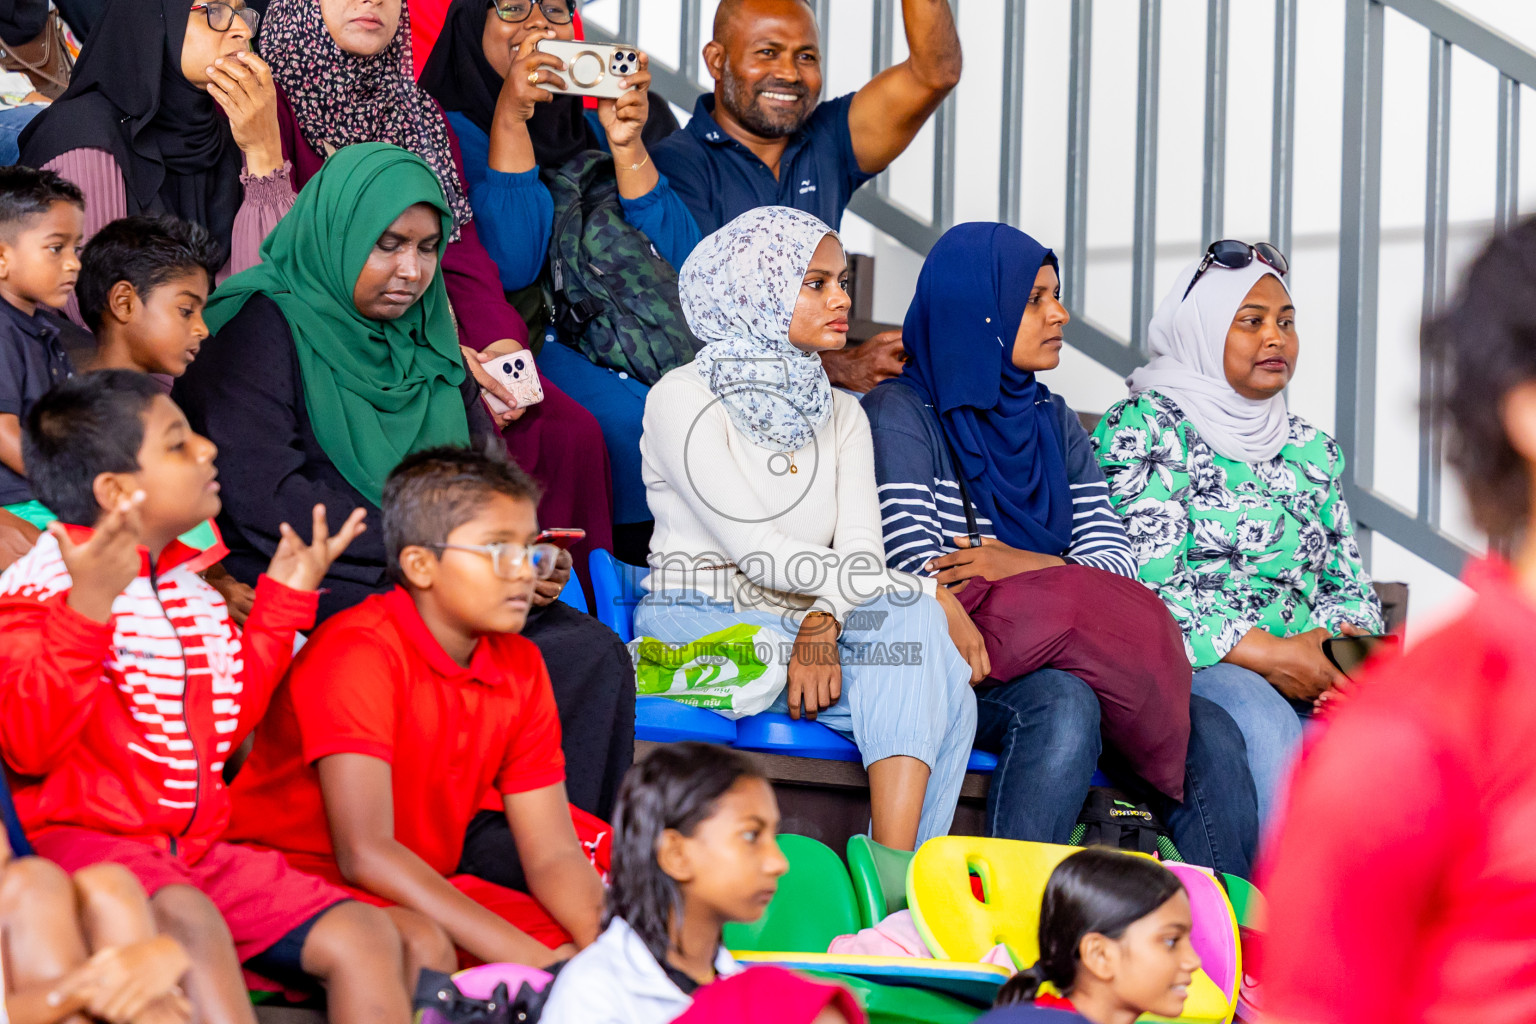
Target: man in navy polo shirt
[{"x": 763, "y": 140}]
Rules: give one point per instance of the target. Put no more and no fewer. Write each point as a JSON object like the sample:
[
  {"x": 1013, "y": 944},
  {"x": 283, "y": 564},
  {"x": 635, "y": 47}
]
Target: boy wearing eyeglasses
[{"x": 403, "y": 712}]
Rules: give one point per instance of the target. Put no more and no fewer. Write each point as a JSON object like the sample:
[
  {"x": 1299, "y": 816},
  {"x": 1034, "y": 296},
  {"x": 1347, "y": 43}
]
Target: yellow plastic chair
[{"x": 958, "y": 926}]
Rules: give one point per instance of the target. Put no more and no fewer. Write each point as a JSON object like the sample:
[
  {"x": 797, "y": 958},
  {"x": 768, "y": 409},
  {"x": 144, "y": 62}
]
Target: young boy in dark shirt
[
  {"x": 402, "y": 712},
  {"x": 42, "y": 223},
  {"x": 143, "y": 284},
  {"x": 124, "y": 687}
]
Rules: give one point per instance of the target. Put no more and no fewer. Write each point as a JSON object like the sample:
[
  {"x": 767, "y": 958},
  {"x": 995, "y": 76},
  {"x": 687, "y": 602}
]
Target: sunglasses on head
[
  {"x": 221, "y": 16},
  {"x": 1231, "y": 254},
  {"x": 556, "y": 12}
]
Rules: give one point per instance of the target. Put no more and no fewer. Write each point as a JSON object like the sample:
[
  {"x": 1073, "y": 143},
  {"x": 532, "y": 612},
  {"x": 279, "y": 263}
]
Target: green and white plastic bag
[{"x": 734, "y": 672}]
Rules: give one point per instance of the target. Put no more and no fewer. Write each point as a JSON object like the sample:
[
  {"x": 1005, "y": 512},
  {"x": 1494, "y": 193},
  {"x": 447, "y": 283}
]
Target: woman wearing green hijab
[
  {"x": 380, "y": 377},
  {"x": 334, "y": 358}
]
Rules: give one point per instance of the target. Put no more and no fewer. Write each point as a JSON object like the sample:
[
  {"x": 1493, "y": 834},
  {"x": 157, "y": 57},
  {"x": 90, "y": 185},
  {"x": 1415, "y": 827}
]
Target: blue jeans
[
  {"x": 1217, "y": 825},
  {"x": 1271, "y": 725},
  {"x": 12, "y": 121},
  {"x": 922, "y": 708},
  {"x": 1044, "y": 728}
]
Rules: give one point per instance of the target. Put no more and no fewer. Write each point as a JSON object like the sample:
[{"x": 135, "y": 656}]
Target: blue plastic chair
[
  {"x": 774, "y": 733},
  {"x": 573, "y": 595},
  {"x": 616, "y": 591},
  {"x": 616, "y": 587}
]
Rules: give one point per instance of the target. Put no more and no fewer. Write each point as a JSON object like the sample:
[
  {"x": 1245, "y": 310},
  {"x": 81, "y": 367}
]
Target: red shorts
[{"x": 260, "y": 895}]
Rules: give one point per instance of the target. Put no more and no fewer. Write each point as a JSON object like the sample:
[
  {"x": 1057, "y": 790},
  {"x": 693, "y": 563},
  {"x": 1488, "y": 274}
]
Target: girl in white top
[
  {"x": 694, "y": 848},
  {"x": 761, "y": 480}
]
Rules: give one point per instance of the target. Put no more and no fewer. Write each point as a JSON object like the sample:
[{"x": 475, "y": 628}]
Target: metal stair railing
[{"x": 1420, "y": 530}]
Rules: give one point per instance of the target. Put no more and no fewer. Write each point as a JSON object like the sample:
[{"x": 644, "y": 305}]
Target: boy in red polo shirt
[
  {"x": 401, "y": 713},
  {"x": 124, "y": 686}
]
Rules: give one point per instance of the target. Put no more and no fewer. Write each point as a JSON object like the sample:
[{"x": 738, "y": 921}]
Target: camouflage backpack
[{"x": 615, "y": 297}]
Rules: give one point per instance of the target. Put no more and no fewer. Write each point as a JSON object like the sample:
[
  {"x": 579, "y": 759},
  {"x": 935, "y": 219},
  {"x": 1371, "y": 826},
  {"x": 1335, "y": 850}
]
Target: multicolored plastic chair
[
  {"x": 975, "y": 984},
  {"x": 1252, "y": 921},
  {"x": 898, "y": 1004},
  {"x": 813, "y": 906},
  {"x": 957, "y": 925},
  {"x": 1247, "y": 903},
  {"x": 1215, "y": 936}
]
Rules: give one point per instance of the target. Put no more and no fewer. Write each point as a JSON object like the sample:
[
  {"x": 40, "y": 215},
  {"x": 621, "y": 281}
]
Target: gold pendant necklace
[{"x": 792, "y": 468}]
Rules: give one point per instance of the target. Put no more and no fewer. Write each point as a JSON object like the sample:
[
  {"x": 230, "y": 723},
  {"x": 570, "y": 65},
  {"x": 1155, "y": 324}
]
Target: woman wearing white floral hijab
[
  {"x": 1234, "y": 507},
  {"x": 762, "y": 481}
]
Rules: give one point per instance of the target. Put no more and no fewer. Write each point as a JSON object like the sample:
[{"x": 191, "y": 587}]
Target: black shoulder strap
[{"x": 965, "y": 494}]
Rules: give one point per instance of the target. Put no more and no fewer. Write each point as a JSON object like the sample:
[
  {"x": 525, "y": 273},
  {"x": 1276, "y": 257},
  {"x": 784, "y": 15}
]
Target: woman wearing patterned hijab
[
  {"x": 761, "y": 478},
  {"x": 1235, "y": 509},
  {"x": 343, "y": 70}
]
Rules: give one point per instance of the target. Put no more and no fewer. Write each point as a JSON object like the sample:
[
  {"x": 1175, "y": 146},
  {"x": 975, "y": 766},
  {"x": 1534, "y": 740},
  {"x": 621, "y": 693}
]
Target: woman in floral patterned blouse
[{"x": 1234, "y": 507}]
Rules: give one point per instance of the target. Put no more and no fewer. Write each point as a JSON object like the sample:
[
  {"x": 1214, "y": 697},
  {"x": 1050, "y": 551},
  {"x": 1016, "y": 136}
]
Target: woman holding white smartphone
[
  {"x": 515, "y": 118},
  {"x": 515, "y": 110}
]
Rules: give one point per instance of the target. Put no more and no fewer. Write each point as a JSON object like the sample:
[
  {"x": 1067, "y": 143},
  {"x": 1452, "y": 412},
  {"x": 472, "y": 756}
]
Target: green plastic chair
[
  {"x": 898, "y": 1004},
  {"x": 879, "y": 875},
  {"x": 813, "y": 906},
  {"x": 1247, "y": 902}
]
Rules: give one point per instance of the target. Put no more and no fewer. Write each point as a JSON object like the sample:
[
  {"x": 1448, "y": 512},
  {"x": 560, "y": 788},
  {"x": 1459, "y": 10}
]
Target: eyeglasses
[
  {"x": 222, "y": 16},
  {"x": 556, "y": 12},
  {"x": 1234, "y": 255},
  {"x": 506, "y": 559}
]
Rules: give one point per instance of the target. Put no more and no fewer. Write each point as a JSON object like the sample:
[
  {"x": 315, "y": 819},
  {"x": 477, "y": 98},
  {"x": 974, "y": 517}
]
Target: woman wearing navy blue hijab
[{"x": 988, "y": 482}]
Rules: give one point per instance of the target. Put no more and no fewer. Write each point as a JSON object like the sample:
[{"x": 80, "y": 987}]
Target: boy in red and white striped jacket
[{"x": 124, "y": 686}]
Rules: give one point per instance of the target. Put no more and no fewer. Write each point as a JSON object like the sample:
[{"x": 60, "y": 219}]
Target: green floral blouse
[{"x": 1232, "y": 545}]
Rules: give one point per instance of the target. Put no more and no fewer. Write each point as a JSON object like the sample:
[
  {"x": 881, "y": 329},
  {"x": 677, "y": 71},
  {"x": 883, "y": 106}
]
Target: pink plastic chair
[{"x": 1215, "y": 933}]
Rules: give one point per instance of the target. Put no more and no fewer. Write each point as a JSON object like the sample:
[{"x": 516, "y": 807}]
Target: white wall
[{"x": 1314, "y": 255}]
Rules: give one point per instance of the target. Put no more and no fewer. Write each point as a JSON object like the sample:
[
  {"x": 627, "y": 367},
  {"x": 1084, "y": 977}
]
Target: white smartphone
[
  {"x": 591, "y": 69},
  {"x": 516, "y": 371}
]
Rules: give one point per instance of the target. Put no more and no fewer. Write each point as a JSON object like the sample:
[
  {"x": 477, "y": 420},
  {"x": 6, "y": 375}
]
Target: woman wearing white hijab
[
  {"x": 761, "y": 479},
  {"x": 1234, "y": 507}
]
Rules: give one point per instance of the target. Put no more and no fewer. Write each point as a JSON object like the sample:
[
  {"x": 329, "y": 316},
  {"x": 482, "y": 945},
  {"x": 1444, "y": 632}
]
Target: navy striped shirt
[{"x": 921, "y": 510}]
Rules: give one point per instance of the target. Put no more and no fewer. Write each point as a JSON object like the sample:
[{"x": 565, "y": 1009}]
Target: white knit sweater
[{"x": 794, "y": 539}]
